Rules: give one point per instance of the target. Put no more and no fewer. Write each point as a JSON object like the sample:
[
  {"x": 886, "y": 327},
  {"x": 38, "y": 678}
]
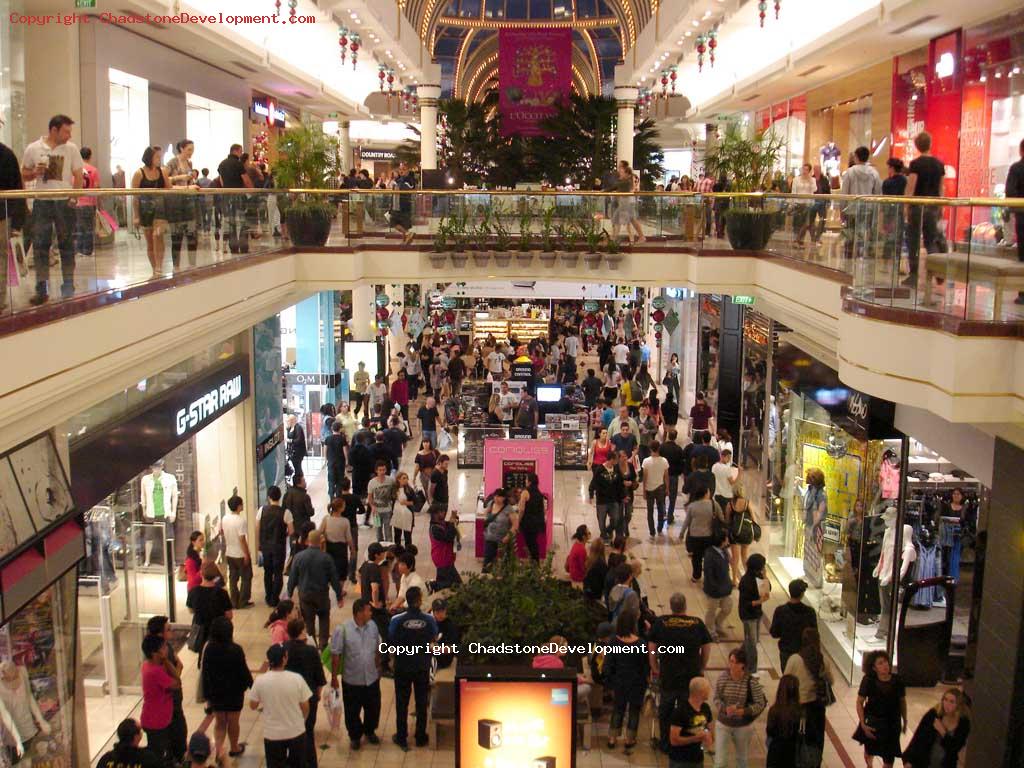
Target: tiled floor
[{"x": 666, "y": 570}]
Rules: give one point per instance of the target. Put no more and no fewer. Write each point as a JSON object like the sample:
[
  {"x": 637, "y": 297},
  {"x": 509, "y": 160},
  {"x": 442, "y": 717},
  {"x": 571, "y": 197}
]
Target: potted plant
[
  {"x": 458, "y": 235},
  {"x": 747, "y": 165},
  {"x": 502, "y": 252},
  {"x": 568, "y": 236},
  {"x": 612, "y": 251},
  {"x": 524, "y": 240},
  {"x": 442, "y": 243},
  {"x": 481, "y": 232},
  {"x": 547, "y": 237},
  {"x": 593, "y": 235},
  {"x": 308, "y": 158}
]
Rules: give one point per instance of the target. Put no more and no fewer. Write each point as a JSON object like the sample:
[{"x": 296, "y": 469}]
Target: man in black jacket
[
  {"x": 790, "y": 620},
  {"x": 12, "y": 212},
  {"x": 304, "y": 660},
  {"x": 673, "y": 452},
  {"x": 1015, "y": 188},
  {"x": 298, "y": 509},
  {"x": 402, "y": 218},
  {"x": 380, "y": 451},
  {"x": 231, "y": 172},
  {"x": 592, "y": 387},
  {"x": 273, "y": 539},
  {"x": 296, "y": 444}
]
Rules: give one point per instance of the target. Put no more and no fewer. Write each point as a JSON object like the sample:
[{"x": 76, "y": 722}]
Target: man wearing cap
[
  {"x": 413, "y": 632},
  {"x": 314, "y": 575},
  {"x": 284, "y": 697},
  {"x": 304, "y": 660},
  {"x": 791, "y": 619},
  {"x": 447, "y": 633},
  {"x": 356, "y": 645},
  {"x": 676, "y": 670},
  {"x": 126, "y": 752},
  {"x": 199, "y": 750}
]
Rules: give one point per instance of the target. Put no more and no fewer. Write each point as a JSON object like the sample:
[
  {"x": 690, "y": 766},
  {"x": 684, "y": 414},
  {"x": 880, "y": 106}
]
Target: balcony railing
[{"x": 103, "y": 245}]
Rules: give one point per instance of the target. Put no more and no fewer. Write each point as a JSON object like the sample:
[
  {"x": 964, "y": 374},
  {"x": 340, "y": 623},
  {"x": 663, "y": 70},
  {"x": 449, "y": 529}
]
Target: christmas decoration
[
  {"x": 391, "y": 81},
  {"x": 672, "y": 75},
  {"x": 664, "y": 83},
  {"x": 343, "y": 42},
  {"x": 277, "y": 6},
  {"x": 381, "y": 70},
  {"x": 701, "y": 48},
  {"x": 778, "y": 7},
  {"x": 712, "y": 44},
  {"x": 354, "y": 47},
  {"x": 762, "y": 8},
  {"x": 260, "y": 146},
  {"x": 291, "y": 8}
]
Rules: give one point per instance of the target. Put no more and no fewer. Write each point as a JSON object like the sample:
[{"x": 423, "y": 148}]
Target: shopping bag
[
  {"x": 335, "y": 707},
  {"x": 13, "y": 277},
  {"x": 444, "y": 440},
  {"x": 106, "y": 221}
]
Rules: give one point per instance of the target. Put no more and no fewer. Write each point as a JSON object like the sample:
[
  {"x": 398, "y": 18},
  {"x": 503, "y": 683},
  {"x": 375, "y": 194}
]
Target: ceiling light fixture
[
  {"x": 695, "y": 23},
  {"x": 688, "y": 34}
]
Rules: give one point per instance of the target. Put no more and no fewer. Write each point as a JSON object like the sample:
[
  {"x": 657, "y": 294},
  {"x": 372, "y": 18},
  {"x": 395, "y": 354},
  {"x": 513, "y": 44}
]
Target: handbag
[
  {"x": 200, "y": 693},
  {"x": 419, "y": 500},
  {"x": 807, "y": 755},
  {"x": 194, "y": 641},
  {"x": 825, "y": 693},
  {"x": 181, "y": 574},
  {"x": 444, "y": 440}
]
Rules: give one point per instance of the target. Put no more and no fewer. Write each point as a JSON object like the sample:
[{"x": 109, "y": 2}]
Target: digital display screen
[
  {"x": 516, "y": 724},
  {"x": 549, "y": 393}
]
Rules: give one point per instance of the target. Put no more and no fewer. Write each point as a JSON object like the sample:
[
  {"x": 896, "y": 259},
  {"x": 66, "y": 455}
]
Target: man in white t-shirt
[
  {"x": 621, "y": 354},
  {"x": 509, "y": 402},
  {"x": 410, "y": 578},
  {"x": 285, "y": 698},
  {"x": 726, "y": 476},
  {"x": 53, "y": 162},
  {"x": 572, "y": 346},
  {"x": 655, "y": 477},
  {"x": 236, "y": 549},
  {"x": 496, "y": 364}
]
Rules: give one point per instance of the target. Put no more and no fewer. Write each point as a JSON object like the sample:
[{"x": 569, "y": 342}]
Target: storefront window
[
  {"x": 753, "y": 458},
  {"x": 12, "y": 78},
  {"x": 37, "y": 684},
  {"x": 213, "y": 127},
  {"x": 707, "y": 361},
  {"x": 129, "y": 120}
]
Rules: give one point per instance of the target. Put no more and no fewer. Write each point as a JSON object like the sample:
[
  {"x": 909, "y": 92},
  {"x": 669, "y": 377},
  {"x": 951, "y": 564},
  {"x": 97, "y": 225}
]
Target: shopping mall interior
[{"x": 273, "y": 219}]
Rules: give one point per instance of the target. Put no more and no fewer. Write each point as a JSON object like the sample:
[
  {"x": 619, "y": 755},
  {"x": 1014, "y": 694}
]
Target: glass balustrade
[{"x": 113, "y": 243}]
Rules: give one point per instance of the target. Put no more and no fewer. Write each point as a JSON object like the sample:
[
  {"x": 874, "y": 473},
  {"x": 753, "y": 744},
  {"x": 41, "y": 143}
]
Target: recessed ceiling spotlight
[
  {"x": 707, "y": 14},
  {"x": 679, "y": 41},
  {"x": 984, "y": 78},
  {"x": 999, "y": 74},
  {"x": 695, "y": 23},
  {"x": 1016, "y": 70},
  {"x": 353, "y": 14},
  {"x": 388, "y": 52},
  {"x": 688, "y": 33}
]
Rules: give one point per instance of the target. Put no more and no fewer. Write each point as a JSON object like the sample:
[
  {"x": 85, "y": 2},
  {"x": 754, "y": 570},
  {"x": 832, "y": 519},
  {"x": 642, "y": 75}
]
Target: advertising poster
[
  {"x": 270, "y": 458},
  {"x": 515, "y": 724},
  {"x": 535, "y": 72},
  {"x": 508, "y": 463}
]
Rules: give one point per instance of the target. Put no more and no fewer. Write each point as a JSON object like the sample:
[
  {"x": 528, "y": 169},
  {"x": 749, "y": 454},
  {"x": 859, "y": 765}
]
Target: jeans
[
  {"x": 364, "y": 699},
  {"x": 608, "y": 517},
  {"x": 404, "y": 686},
  {"x": 670, "y": 698},
  {"x": 285, "y": 753},
  {"x": 751, "y": 634},
  {"x": 85, "y": 229},
  {"x": 490, "y": 553},
  {"x": 717, "y": 612},
  {"x": 655, "y": 498},
  {"x": 239, "y": 569},
  {"x": 673, "y": 491},
  {"x": 626, "y": 700},
  {"x": 385, "y": 532},
  {"x": 431, "y": 435},
  {"x": 317, "y": 606},
  {"x": 739, "y": 738},
  {"x": 273, "y": 575},
  {"x": 47, "y": 216}
]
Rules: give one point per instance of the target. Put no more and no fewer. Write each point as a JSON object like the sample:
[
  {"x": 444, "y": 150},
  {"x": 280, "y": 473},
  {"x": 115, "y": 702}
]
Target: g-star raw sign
[{"x": 209, "y": 405}]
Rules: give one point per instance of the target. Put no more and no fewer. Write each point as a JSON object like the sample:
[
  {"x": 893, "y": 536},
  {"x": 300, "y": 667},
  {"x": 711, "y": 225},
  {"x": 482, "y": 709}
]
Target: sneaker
[
  {"x": 402, "y": 745},
  {"x": 39, "y": 299},
  {"x": 354, "y": 745},
  {"x": 422, "y": 742}
]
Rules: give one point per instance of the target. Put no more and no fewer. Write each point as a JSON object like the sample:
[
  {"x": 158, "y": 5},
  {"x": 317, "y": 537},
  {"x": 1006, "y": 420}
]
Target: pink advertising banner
[
  {"x": 534, "y": 74},
  {"x": 507, "y": 463}
]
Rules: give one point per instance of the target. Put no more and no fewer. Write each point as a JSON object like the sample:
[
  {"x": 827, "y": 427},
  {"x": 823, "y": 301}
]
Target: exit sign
[
  {"x": 85, "y": 3},
  {"x": 749, "y": 300}
]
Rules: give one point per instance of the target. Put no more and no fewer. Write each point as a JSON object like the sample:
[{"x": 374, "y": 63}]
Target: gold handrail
[{"x": 955, "y": 202}]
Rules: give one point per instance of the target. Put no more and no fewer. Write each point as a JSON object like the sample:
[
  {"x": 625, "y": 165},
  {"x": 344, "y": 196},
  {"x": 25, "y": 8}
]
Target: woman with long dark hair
[
  {"x": 278, "y": 620},
  {"x": 226, "y": 678},
  {"x": 882, "y": 710},
  {"x": 626, "y": 672},
  {"x": 194, "y": 560},
  {"x": 783, "y": 727},
  {"x": 808, "y": 666}
]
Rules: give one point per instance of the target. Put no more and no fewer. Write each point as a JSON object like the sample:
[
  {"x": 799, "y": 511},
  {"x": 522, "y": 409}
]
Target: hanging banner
[{"x": 534, "y": 74}]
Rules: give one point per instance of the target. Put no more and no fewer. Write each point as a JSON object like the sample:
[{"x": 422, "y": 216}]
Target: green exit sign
[
  {"x": 749, "y": 300},
  {"x": 85, "y": 3}
]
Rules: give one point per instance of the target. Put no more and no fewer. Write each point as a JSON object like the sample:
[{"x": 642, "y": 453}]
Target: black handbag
[
  {"x": 194, "y": 641},
  {"x": 807, "y": 755}
]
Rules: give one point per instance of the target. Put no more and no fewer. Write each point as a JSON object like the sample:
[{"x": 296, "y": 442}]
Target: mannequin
[
  {"x": 883, "y": 571},
  {"x": 159, "y": 504},
  {"x": 815, "y": 509},
  {"x": 829, "y": 156},
  {"x": 20, "y": 705}
]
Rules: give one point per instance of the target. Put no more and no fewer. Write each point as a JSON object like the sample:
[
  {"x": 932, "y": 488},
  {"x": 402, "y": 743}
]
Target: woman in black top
[
  {"x": 750, "y": 601},
  {"x": 941, "y": 734},
  {"x": 353, "y": 509},
  {"x": 626, "y": 672},
  {"x": 629, "y": 484},
  {"x": 532, "y": 522},
  {"x": 669, "y": 410},
  {"x": 225, "y": 678},
  {"x": 783, "y": 729},
  {"x": 596, "y": 570},
  {"x": 882, "y": 709},
  {"x": 209, "y": 601}
]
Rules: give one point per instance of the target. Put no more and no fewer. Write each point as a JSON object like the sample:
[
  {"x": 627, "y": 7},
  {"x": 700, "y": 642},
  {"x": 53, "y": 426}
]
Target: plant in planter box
[
  {"x": 612, "y": 251},
  {"x": 547, "y": 236},
  {"x": 593, "y": 235},
  {"x": 458, "y": 234},
  {"x": 524, "y": 239},
  {"x": 308, "y": 158},
  {"x": 568, "y": 231},
  {"x": 747, "y": 165},
  {"x": 481, "y": 234},
  {"x": 442, "y": 243},
  {"x": 520, "y": 602},
  {"x": 502, "y": 235}
]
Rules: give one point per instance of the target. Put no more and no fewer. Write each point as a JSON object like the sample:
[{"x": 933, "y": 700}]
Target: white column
[
  {"x": 428, "y": 96},
  {"x": 625, "y": 100},
  {"x": 346, "y": 147},
  {"x": 364, "y": 316}
]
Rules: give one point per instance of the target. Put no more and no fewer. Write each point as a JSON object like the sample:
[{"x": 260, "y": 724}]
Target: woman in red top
[
  {"x": 576, "y": 562},
  {"x": 194, "y": 560},
  {"x": 400, "y": 393},
  {"x": 159, "y": 681}
]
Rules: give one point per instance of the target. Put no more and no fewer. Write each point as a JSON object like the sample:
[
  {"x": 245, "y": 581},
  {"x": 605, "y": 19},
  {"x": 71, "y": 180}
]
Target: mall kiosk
[{"x": 507, "y": 464}]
